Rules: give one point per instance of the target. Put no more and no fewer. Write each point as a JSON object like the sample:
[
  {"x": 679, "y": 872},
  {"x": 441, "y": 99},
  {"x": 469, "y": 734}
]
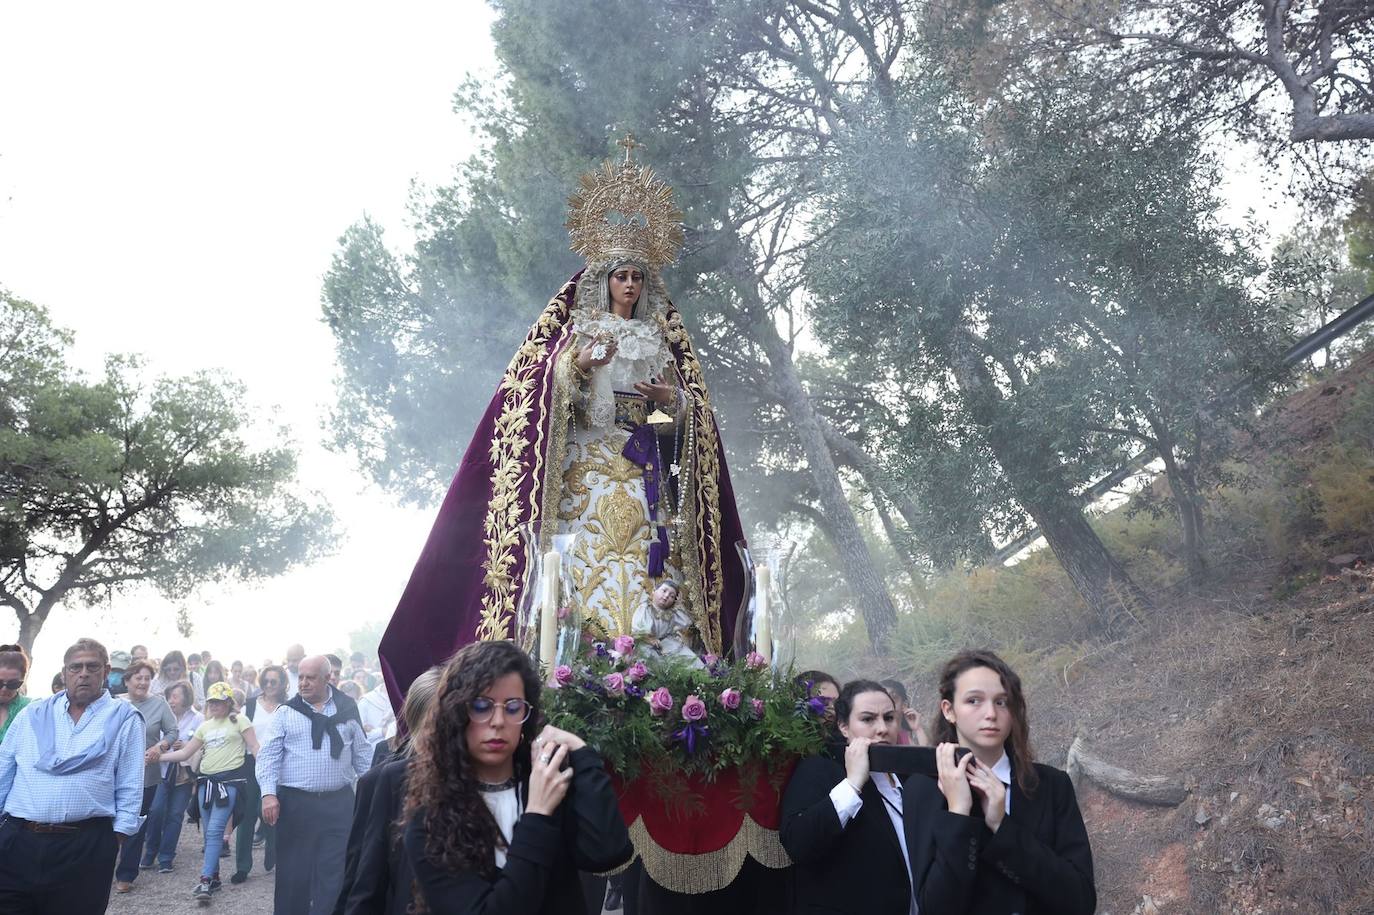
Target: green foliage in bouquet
[{"x": 647, "y": 713}]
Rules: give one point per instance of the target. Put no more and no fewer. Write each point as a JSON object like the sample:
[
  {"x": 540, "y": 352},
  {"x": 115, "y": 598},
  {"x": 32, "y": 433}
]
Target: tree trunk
[
  {"x": 1096, "y": 575},
  {"x": 868, "y": 587},
  {"x": 1187, "y": 503},
  {"x": 30, "y": 624},
  {"x": 879, "y": 612},
  {"x": 1100, "y": 580}
]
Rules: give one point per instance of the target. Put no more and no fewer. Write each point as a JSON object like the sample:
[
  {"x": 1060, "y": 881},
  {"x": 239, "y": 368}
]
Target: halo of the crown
[{"x": 649, "y": 225}]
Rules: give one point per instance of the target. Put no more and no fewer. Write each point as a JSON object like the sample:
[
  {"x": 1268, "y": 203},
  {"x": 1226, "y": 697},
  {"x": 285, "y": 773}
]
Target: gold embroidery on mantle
[{"x": 507, "y": 454}]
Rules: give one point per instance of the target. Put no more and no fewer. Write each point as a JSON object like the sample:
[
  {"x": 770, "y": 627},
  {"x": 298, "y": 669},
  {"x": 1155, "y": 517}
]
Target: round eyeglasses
[{"x": 483, "y": 707}]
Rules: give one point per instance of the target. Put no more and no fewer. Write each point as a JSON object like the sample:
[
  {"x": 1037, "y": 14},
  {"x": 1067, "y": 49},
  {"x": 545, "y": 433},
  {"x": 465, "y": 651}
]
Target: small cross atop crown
[{"x": 630, "y": 144}]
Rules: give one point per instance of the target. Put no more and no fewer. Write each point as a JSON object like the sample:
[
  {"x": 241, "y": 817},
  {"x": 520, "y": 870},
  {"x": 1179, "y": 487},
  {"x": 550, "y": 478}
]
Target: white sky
[{"x": 173, "y": 180}]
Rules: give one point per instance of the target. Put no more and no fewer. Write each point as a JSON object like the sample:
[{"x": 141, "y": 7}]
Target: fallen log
[{"x": 1156, "y": 790}]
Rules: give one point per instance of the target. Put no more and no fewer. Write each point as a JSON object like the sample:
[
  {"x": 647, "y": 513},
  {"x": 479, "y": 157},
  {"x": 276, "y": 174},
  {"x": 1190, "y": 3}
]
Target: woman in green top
[
  {"x": 160, "y": 730},
  {"x": 14, "y": 669},
  {"x": 224, "y": 769}
]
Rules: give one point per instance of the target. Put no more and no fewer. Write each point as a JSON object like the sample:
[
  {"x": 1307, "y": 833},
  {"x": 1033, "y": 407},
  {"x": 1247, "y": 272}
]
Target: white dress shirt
[{"x": 848, "y": 802}]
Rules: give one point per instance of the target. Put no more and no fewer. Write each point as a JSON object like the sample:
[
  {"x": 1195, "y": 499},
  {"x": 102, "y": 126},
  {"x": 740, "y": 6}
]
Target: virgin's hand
[
  {"x": 586, "y": 358},
  {"x": 548, "y": 783},
  {"x": 953, "y": 779},
  {"x": 553, "y": 735},
  {"x": 661, "y": 394},
  {"x": 856, "y": 762},
  {"x": 991, "y": 792}
]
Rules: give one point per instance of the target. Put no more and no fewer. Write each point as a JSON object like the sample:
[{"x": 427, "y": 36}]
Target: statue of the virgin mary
[{"x": 602, "y": 424}]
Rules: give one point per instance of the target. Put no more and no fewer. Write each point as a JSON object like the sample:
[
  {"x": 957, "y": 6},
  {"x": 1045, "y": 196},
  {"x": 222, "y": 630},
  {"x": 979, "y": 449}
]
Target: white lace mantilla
[{"x": 641, "y": 355}]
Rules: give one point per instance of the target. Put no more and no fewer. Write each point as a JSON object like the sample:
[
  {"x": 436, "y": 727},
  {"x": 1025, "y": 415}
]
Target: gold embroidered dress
[
  {"x": 604, "y": 494},
  {"x": 550, "y": 454}
]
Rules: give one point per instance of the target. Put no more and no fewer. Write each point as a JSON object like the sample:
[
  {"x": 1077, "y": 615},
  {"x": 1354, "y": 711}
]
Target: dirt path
[{"x": 171, "y": 893}]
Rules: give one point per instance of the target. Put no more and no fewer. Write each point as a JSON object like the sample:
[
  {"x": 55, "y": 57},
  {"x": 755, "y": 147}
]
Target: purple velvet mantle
[{"x": 449, "y": 599}]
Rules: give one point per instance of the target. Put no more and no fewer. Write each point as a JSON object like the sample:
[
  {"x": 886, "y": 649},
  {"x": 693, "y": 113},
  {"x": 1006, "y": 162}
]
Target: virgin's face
[
  {"x": 492, "y": 743},
  {"x": 873, "y": 716},
  {"x": 625, "y": 283},
  {"x": 979, "y": 712},
  {"x": 138, "y": 684}
]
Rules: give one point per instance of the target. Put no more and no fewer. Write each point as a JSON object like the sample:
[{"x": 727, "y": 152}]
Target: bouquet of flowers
[{"x": 643, "y": 712}]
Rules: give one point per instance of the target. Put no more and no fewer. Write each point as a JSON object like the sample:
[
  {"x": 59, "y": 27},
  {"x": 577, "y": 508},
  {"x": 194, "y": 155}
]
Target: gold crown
[{"x": 623, "y": 210}]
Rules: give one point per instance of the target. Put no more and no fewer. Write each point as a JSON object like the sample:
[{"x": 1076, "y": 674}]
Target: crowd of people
[
  {"x": 486, "y": 809},
  {"x": 130, "y": 747}
]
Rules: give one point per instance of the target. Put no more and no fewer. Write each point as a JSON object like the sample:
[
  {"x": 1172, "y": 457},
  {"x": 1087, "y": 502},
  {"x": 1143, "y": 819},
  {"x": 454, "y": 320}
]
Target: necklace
[{"x": 490, "y": 788}]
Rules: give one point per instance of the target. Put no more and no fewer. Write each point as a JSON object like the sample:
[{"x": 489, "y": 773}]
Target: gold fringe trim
[{"x": 713, "y": 870}]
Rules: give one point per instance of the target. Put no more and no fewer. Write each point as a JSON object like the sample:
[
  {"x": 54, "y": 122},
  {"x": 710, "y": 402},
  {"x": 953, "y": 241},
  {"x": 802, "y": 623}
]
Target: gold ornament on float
[{"x": 622, "y": 210}]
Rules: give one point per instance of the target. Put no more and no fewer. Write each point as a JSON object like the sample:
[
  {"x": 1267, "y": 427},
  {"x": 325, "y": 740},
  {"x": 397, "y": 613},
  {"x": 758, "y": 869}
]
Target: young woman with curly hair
[
  {"x": 997, "y": 832},
  {"x": 486, "y": 827}
]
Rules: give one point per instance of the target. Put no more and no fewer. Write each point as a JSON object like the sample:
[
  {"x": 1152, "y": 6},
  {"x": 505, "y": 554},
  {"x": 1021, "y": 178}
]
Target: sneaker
[
  {"x": 215, "y": 885},
  {"x": 165, "y": 868},
  {"x": 238, "y": 877},
  {"x": 202, "y": 891},
  {"x": 146, "y": 865},
  {"x": 224, "y": 851},
  {"x": 259, "y": 841}
]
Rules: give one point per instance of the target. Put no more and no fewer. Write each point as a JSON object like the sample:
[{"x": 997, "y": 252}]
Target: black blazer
[
  {"x": 1038, "y": 862},
  {"x": 377, "y": 874},
  {"x": 585, "y": 833},
  {"x": 856, "y": 869}
]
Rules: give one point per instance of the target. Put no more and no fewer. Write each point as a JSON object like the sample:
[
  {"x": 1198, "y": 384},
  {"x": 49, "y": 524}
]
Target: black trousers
[
  {"x": 312, "y": 841},
  {"x": 56, "y": 873}
]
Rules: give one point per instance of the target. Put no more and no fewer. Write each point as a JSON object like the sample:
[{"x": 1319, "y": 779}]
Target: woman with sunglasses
[
  {"x": 14, "y": 670},
  {"x": 487, "y": 830}
]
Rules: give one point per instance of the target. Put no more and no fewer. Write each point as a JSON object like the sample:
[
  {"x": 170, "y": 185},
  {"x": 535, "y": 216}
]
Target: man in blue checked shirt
[
  {"x": 315, "y": 751},
  {"x": 71, "y": 784}
]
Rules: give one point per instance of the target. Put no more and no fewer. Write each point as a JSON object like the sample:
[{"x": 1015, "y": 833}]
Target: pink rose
[
  {"x": 562, "y": 675},
  {"x": 636, "y": 672},
  {"x": 623, "y": 645},
  {"x": 710, "y": 660},
  {"x": 660, "y": 701},
  {"x": 756, "y": 706},
  {"x": 730, "y": 698},
  {"x": 693, "y": 709},
  {"x": 615, "y": 684},
  {"x": 754, "y": 661}
]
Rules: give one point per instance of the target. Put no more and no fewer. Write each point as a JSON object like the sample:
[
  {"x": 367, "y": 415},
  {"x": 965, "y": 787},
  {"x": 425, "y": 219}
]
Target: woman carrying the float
[
  {"x": 601, "y": 425},
  {"x": 498, "y": 820},
  {"x": 996, "y": 832}
]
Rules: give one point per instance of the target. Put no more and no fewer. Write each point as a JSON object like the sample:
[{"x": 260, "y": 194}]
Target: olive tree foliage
[
  {"x": 1294, "y": 76},
  {"x": 110, "y": 482},
  {"x": 1072, "y": 297}
]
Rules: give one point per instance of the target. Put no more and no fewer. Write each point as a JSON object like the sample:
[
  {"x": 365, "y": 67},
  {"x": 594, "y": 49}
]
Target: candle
[
  {"x": 548, "y": 616},
  {"x": 762, "y": 627}
]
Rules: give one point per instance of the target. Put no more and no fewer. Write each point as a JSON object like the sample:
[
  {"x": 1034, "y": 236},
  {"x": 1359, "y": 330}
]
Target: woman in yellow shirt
[{"x": 227, "y": 739}]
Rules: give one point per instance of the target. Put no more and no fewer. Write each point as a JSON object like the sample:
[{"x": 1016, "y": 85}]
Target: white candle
[
  {"x": 548, "y": 616},
  {"x": 763, "y": 629}
]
